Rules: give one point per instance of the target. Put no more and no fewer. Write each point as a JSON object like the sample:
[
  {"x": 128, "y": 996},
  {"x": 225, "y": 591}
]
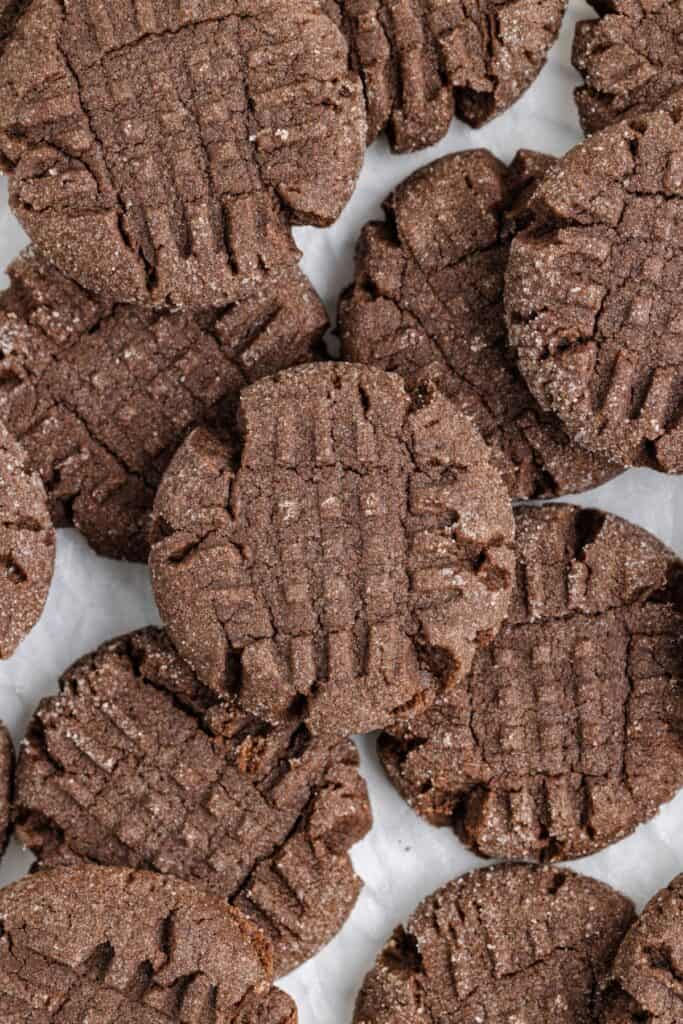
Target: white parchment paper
[{"x": 93, "y": 600}]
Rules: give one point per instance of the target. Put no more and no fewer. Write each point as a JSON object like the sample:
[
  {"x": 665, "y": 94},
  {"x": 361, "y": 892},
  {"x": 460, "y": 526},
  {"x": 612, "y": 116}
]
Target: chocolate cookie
[
  {"x": 423, "y": 62},
  {"x": 101, "y": 395},
  {"x": 345, "y": 557},
  {"x": 509, "y": 943},
  {"x": 158, "y": 153},
  {"x": 593, "y": 299},
  {"x": 6, "y": 782},
  {"x": 27, "y": 545},
  {"x": 428, "y": 300},
  {"x": 567, "y": 734},
  {"x": 135, "y": 764},
  {"x": 106, "y": 944},
  {"x": 631, "y": 58},
  {"x": 646, "y": 977}
]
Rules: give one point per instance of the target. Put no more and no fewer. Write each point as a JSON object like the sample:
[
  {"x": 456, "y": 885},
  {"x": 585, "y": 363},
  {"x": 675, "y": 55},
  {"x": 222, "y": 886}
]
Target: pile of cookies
[{"x": 339, "y": 546}]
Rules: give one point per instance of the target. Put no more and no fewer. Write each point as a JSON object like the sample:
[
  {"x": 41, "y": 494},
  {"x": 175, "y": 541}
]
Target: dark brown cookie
[
  {"x": 6, "y": 784},
  {"x": 593, "y": 294},
  {"x": 630, "y": 57},
  {"x": 423, "y": 62},
  {"x": 345, "y": 557},
  {"x": 428, "y": 299},
  {"x": 101, "y": 395},
  {"x": 135, "y": 764},
  {"x": 646, "y": 977},
  {"x": 159, "y": 153},
  {"x": 107, "y": 944},
  {"x": 27, "y": 544},
  {"x": 567, "y": 734},
  {"x": 504, "y": 944}
]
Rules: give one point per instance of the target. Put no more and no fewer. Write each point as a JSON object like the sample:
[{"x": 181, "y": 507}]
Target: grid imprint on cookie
[
  {"x": 377, "y": 561},
  {"x": 129, "y": 946},
  {"x": 101, "y": 395},
  {"x": 135, "y": 764},
  {"x": 593, "y": 293},
  {"x": 186, "y": 130},
  {"x": 428, "y": 300},
  {"x": 423, "y": 61},
  {"x": 565, "y": 736}
]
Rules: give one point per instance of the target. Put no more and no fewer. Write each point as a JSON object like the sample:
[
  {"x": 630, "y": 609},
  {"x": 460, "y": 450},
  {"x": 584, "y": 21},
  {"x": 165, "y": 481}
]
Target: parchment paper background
[{"x": 93, "y": 600}]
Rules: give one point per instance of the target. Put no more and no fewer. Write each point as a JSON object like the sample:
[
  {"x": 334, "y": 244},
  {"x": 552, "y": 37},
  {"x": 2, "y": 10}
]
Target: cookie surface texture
[
  {"x": 136, "y": 764},
  {"x": 646, "y": 985},
  {"x": 6, "y": 785},
  {"x": 500, "y": 944},
  {"x": 111, "y": 944},
  {"x": 345, "y": 557},
  {"x": 158, "y": 154},
  {"x": 27, "y": 545},
  {"x": 630, "y": 58},
  {"x": 566, "y": 734},
  {"x": 592, "y": 292},
  {"x": 428, "y": 300},
  {"x": 101, "y": 394},
  {"x": 423, "y": 62}
]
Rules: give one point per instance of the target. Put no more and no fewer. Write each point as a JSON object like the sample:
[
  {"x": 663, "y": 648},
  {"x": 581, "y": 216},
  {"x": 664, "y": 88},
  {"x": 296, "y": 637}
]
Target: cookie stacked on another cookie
[
  {"x": 102, "y": 393},
  {"x": 136, "y": 764},
  {"x": 427, "y": 302}
]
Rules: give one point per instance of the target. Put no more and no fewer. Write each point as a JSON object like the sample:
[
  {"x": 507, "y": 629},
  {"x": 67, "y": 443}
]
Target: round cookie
[
  {"x": 103, "y": 944},
  {"x": 423, "y": 62},
  {"x": 567, "y": 732},
  {"x": 158, "y": 153},
  {"x": 646, "y": 978},
  {"x": 509, "y": 943},
  {"x": 101, "y": 394},
  {"x": 6, "y": 784},
  {"x": 135, "y": 764},
  {"x": 630, "y": 58},
  {"x": 592, "y": 291},
  {"x": 428, "y": 299},
  {"x": 27, "y": 545},
  {"x": 343, "y": 558}
]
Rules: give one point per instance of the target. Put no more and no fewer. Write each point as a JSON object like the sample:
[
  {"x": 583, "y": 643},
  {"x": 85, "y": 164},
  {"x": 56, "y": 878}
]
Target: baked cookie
[
  {"x": 6, "y": 783},
  {"x": 509, "y": 943},
  {"x": 567, "y": 734},
  {"x": 27, "y": 545},
  {"x": 158, "y": 153},
  {"x": 593, "y": 294},
  {"x": 423, "y": 62},
  {"x": 630, "y": 57},
  {"x": 428, "y": 300},
  {"x": 344, "y": 557},
  {"x": 135, "y": 764},
  {"x": 646, "y": 979},
  {"x": 101, "y": 394},
  {"x": 107, "y": 944}
]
